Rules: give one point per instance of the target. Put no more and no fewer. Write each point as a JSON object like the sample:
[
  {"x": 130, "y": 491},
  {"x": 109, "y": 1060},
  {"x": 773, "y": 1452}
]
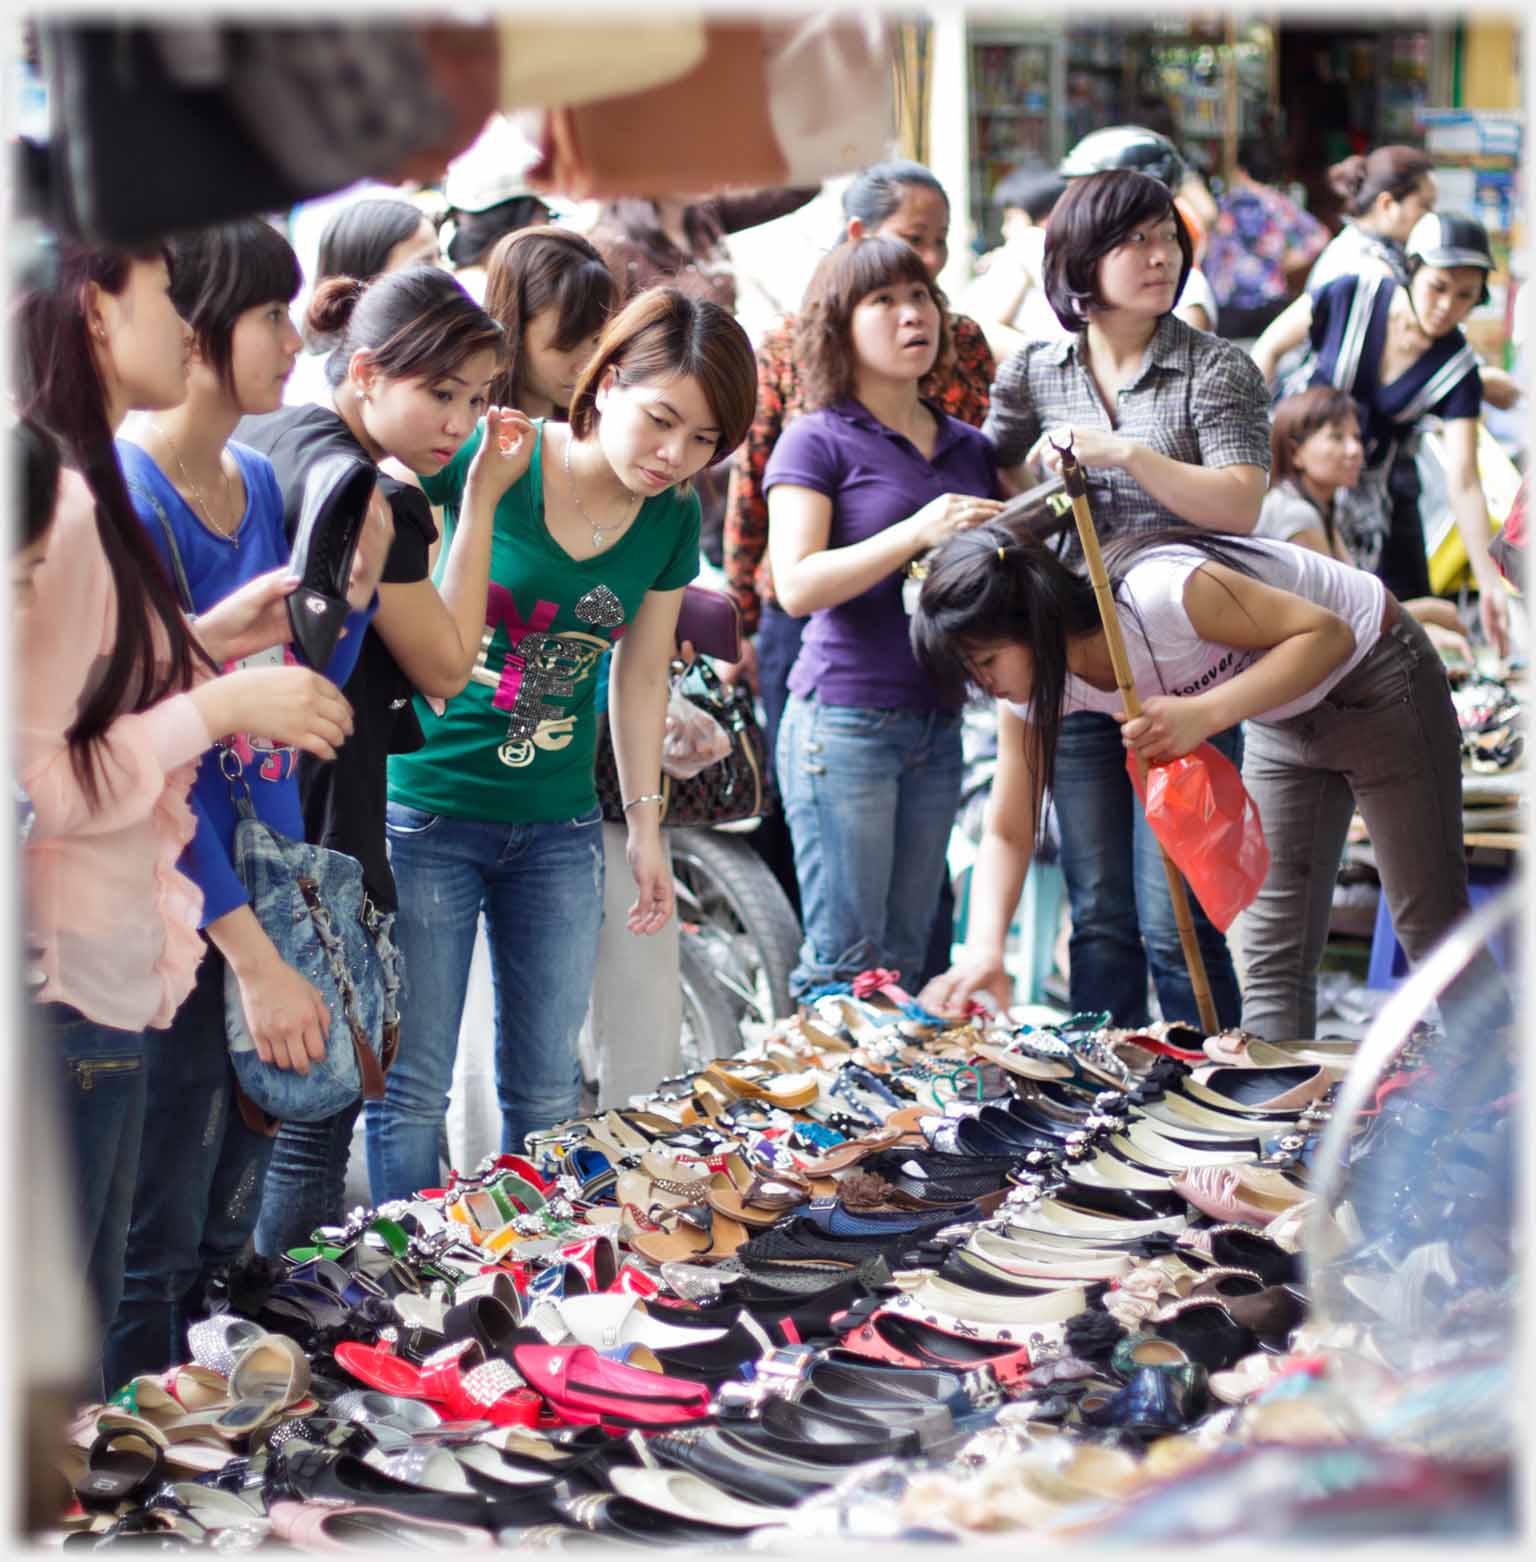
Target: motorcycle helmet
[
  {"x": 1126, "y": 146},
  {"x": 1447, "y": 239}
]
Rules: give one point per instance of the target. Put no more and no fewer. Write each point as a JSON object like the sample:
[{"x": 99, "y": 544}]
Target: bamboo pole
[{"x": 1072, "y": 476}]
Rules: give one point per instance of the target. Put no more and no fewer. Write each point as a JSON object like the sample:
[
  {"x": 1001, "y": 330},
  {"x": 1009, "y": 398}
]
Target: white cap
[{"x": 492, "y": 169}]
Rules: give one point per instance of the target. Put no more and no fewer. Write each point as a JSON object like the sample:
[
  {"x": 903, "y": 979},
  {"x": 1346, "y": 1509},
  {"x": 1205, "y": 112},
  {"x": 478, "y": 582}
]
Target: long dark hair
[
  {"x": 987, "y": 586},
  {"x": 823, "y": 328},
  {"x": 220, "y": 272},
  {"x": 416, "y": 324},
  {"x": 536, "y": 269},
  {"x": 59, "y": 387}
]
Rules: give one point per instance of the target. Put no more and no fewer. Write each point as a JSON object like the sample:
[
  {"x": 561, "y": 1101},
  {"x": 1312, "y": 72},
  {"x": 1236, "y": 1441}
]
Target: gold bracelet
[{"x": 648, "y": 797}]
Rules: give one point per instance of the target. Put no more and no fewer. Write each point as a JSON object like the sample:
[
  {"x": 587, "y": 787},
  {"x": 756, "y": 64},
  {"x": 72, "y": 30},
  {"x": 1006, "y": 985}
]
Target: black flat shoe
[{"x": 337, "y": 491}]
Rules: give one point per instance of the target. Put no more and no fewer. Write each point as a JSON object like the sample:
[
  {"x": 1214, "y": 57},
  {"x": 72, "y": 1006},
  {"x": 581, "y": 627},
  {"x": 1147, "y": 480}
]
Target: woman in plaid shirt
[{"x": 1171, "y": 425}]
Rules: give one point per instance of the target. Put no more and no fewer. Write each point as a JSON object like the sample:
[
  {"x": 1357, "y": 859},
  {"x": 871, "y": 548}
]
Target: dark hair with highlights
[
  {"x": 220, "y": 272},
  {"x": 537, "y": 269},
  {"x": 59, "y": 387},
  {"x": 987, "y": 586},
  {"x": 665, "y": 334},
  {"x": 1096, "y": 214},
  {"x": 416, "y": 324},
  {"x": 824, "y": 326}
]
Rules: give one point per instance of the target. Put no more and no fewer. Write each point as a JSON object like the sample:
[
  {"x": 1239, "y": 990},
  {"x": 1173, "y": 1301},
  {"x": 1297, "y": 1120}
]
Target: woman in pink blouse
[{"x": 116, "y": 697}]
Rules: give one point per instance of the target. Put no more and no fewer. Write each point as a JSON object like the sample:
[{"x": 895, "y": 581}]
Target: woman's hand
[
  {"x": 503, "y": 456},
  {"x": 251, "y": 619},
  {"x": 373, "y": 545},
  {"x": 291, "y": 706},
  {"x": 941, "y": 518},
  {"x": 284, "y": 1012},
  {"x": 950, "y": 994},
  {"x": 647, "y": 858},
  {"x": 1493, "y": 612},
  {"x": 1091, "y": 446},
  {"x": 1168, "y": 727}
]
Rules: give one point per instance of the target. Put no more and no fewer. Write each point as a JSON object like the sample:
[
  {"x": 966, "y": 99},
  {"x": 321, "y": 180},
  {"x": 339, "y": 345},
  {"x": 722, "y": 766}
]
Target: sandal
[
  {"x": 697, "y": 1234},
  {"x": 123, "y": 1465}
]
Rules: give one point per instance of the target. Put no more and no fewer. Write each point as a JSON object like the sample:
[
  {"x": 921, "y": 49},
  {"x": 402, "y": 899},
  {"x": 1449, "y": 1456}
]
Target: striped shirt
[{"x": 1198, "y": 399}]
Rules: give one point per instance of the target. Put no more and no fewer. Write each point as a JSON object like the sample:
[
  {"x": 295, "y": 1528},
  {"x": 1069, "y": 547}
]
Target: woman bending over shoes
[{"x": 1346, "y": 706}]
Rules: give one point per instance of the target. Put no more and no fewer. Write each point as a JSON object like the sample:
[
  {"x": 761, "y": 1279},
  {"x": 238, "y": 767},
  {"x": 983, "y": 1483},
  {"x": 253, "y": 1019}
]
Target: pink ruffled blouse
[{"x": 112, "y": 919}]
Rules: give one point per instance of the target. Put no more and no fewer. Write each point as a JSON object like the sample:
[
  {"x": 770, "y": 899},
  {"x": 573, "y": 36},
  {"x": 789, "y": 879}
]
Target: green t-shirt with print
[{"x": 516, "y": 746}]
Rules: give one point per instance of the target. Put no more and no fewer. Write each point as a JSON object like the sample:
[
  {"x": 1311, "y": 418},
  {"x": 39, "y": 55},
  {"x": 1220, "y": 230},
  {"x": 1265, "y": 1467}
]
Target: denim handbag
[{"x": 312, "y": 904}]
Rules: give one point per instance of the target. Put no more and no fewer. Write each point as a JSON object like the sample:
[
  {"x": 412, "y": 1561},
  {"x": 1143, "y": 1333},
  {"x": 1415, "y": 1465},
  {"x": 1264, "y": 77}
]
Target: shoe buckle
[{"x": 784, "y": 1368}]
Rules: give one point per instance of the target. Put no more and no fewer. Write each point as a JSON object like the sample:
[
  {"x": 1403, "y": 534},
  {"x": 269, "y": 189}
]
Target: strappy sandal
[
  {"x": 659, "y": 1181},
  {"x": 754, "y": 1196},
  {"x": 696, "y": 1234}
]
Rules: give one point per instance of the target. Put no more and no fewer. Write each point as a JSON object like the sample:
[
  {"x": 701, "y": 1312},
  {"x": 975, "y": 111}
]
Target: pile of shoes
[
  {"x": 868, "y": 1236},
  {"x": 1490, "y": 713}
]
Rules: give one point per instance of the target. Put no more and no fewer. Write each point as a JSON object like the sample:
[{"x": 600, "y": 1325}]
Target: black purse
[{"x": 732, "y": 789}]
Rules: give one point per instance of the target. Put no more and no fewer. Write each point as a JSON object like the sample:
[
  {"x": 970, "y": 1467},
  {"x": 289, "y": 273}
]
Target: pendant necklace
[
  {"x": 231, "y": 537},
  {"x": 599, "y": 536}
]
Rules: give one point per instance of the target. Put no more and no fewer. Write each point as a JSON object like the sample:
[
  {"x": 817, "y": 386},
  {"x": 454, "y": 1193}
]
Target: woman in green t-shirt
[{"x": 497, "y": 813}]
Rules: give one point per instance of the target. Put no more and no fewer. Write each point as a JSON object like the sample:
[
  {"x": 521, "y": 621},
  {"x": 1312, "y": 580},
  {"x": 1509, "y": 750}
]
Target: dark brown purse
[{"x": 732, "y": 789}]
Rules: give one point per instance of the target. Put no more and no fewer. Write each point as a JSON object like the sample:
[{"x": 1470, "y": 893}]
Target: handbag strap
[{"x": 178, "y": 569}]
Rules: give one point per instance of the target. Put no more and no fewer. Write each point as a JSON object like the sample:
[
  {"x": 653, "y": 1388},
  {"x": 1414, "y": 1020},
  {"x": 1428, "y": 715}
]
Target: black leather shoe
[{"x": 337, "y": 491}]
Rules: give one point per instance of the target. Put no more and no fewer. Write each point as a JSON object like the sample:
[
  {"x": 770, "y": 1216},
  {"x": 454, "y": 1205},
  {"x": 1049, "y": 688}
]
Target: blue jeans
[
  {"x": 1122, "y": 917},
  {"x": 541, "y": 889},
  {"x": 198, "y": 1189},
  {"x": 100, "y": 1072},
  {"x": 870, "y": 796},
  {"x": 306, "y": 1181}
]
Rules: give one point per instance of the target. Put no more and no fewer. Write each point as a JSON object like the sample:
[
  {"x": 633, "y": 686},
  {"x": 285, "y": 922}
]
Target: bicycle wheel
[
  {"x": 737, "y": 919},
  {"x": 711, "y": 1016}
]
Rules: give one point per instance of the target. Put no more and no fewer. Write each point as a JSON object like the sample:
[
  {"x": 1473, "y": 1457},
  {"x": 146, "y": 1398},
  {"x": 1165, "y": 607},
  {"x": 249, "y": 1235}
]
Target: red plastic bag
[{"x": 1201, "y": 813}]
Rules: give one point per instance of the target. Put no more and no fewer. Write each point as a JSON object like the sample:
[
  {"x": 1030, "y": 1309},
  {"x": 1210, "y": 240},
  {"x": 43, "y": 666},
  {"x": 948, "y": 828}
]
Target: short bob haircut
[
  {"x": 1095, "y": 215},
  {"x": 665, "y": 334},
  {"x": 1299, "y": 417},
  {"x": 220, "y": 272},
  {"x": 824, "y": 329},
  {"x": 543, "y": 268},
  {"x": 416, "y": 324}
]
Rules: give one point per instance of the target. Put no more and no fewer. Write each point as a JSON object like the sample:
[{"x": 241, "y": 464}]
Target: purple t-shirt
[{"x": 857, "y": 653}]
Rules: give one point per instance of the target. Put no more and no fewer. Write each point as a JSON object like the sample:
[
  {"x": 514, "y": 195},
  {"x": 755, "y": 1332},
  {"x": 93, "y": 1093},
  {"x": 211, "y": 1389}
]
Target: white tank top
[{"x": 1168, "y": 657}]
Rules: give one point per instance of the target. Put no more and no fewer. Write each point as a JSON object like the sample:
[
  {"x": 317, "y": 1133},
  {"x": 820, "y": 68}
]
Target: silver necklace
[
  {"x": 599, "y": 536},
  {"x": 231, "y": 537}
]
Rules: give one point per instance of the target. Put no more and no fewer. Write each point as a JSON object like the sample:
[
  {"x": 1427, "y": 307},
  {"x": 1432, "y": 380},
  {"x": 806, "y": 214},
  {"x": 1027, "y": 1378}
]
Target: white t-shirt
[
  {"x": 1168, "y": 657},
  {"x": 1287, "y": 511}
]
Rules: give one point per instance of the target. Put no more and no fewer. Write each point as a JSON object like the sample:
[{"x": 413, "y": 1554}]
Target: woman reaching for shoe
[
  {"x": 498, "y": 813},
  {"x": 1347, "y": 706},
  {"x": 120, "y": 697}
]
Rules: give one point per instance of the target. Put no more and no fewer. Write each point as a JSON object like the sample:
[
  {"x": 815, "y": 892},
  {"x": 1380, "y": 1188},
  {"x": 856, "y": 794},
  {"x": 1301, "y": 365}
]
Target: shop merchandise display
[{"x": 875, "y": 1277}]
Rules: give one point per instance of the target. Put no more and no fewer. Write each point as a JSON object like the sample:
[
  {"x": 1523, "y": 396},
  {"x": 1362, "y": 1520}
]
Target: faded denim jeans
[
  {"x": 870, "y": 796},
  {"x": 198, "y": 1190},
  {"x": 1386, "y": 740},
  {"x": 540, "y": 887}
]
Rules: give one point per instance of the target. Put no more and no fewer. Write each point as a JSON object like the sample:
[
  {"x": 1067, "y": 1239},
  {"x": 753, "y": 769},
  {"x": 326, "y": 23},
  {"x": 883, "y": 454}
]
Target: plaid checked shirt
[
  {"x": 1198, "y": 399},
  {"x": 959, "y": 387}
]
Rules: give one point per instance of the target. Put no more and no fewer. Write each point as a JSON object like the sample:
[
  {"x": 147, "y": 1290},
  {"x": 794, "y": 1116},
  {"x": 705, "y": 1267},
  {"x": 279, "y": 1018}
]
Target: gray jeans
[{"x": 1386, "y": 740}]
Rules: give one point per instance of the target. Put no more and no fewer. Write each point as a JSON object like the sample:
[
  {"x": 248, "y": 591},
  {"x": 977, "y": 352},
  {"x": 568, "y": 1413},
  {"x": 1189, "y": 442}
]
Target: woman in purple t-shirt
[{"x": 869, "y": 758}]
